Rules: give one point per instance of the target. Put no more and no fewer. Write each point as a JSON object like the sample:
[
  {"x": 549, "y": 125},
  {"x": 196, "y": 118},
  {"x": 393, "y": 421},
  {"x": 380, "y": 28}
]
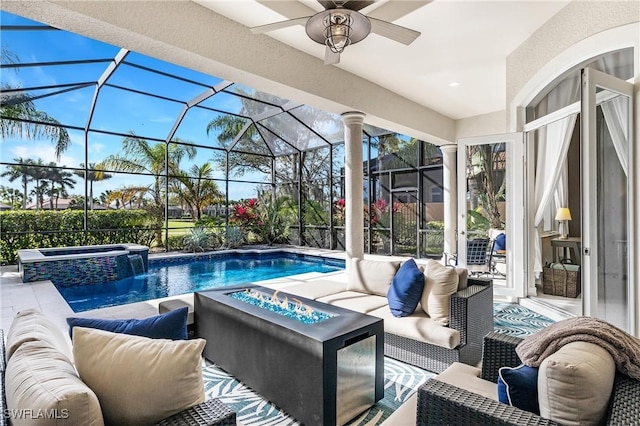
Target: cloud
[{"x": 44, "y": 150}]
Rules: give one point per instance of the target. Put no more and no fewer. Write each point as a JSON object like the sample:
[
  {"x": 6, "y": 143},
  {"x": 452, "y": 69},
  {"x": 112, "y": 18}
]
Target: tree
[
  {"x": 19, "y": 117},
  {"x": 486, "y": 179},
  {"x": 95, "y": 173},
  {"x": 21, "y": 171},
  {"x": 63, "y": 179},
  {"x": 139, "y": 156},
  {"x": 11, "y": 196},
  {"x": 197, "y": 189}
]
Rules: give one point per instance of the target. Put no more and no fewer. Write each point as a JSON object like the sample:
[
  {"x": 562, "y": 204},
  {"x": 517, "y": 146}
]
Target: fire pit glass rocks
[{"x": 294, "y": 309}]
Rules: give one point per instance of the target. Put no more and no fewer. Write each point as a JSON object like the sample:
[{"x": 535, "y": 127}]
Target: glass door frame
[
  {"x": 516, "y": 189},
  {"x": 591, "y": 80}
]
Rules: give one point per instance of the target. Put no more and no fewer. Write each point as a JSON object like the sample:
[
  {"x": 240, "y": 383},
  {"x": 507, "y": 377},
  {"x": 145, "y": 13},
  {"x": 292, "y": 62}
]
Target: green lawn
[{"x": 182, "y": 227}]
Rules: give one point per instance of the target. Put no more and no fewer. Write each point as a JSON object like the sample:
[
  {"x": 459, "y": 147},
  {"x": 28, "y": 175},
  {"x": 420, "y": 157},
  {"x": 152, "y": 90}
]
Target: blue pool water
[{"x": 168, "y": 277}]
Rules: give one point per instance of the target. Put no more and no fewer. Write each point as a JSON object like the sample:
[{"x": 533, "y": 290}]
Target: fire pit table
[{"x": 320, "y": 363}]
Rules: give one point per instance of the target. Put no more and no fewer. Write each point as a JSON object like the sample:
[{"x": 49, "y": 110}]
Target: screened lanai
[{"x": 131, "y": 147}]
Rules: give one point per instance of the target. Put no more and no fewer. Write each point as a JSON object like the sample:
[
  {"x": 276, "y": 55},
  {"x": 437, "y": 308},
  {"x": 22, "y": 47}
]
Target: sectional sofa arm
[
  {"x": 498, "y": 350},
  {"x": 442, "y": 404},
  {"x": 208, "y": 413},
  {"x": 471, "y": 311},
  {"x": 624, "y": 405}
]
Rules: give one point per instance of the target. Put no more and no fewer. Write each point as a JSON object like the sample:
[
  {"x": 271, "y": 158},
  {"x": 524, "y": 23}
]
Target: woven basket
[{"x": 558, "y": 281}]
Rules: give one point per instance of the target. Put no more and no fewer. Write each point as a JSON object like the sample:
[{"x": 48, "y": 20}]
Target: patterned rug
[{"x": 400, "y": 382}]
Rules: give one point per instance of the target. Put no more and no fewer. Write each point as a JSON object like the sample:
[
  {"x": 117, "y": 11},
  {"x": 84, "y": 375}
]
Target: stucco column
[
  {"x": 354, "y": 216},
  {"x": 450, "y": 196}
]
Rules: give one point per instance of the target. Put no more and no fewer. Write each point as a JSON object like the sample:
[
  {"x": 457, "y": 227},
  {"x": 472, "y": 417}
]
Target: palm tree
[
  {"x": 22, "y": 171},
  {"x": 95, "y": 173},
  {"x": 39, "y": 172},
  {"x": 21, "y": 119},
  {"x": 63, "y": 179},
  {"x": 11, "y": 196},
  {"x": 197, "y": 189},
  {"x": 139, "y": 156}
]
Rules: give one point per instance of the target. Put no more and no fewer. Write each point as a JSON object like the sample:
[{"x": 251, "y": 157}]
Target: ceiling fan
[{"x": 340, "y": 25}]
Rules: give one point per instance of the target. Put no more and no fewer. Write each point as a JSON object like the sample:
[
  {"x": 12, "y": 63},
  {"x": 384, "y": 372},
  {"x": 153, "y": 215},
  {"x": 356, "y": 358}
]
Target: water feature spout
[{"x": 137, "y": 264}]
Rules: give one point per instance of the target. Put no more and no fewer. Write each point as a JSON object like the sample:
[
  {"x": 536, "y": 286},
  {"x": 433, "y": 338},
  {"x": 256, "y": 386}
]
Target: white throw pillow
[
  {"x": 575, "y": 384},
  {"x": 32, "y": 325},
  {"x": 42, "y": 387},
  {"x": 440, "y": 283},
  {"x": 371, "y": 276},
  {"x": 139, "y": 380}
]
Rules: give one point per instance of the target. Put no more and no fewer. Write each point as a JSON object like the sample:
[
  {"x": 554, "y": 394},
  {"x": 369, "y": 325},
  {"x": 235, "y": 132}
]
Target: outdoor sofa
[
  {"x": 418, "y": 339},
  {"x": 460, "y": 396},
  {"x": 39, "y": 382}
]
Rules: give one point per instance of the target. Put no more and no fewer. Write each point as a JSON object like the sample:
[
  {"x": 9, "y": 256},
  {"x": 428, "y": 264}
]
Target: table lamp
[{"x": 562, "y": 216}]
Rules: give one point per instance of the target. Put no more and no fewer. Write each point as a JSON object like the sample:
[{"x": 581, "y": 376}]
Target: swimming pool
[{"x": 180, "y": 275}]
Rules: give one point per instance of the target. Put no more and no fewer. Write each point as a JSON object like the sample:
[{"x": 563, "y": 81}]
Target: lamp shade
[{"x": 563, "y": 213}]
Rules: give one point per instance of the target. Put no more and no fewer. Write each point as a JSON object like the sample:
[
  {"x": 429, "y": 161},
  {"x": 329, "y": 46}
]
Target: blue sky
[
  {"x": 125, "y": 111},
  {"x": 116, "y": 110}
]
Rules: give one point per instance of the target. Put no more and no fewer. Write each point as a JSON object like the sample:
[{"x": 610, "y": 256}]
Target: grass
[{"x": 181, "y": 227}]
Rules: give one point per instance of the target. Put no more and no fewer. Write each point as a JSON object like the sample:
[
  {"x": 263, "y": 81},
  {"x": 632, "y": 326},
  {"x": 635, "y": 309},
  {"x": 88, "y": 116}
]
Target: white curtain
[
  {"x": 551, "y": 174},
  {"x": 617, "y": 117}
]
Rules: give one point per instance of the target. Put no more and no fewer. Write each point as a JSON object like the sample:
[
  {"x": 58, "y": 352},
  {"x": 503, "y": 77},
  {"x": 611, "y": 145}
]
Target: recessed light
[{"x": 454, "y": 84}]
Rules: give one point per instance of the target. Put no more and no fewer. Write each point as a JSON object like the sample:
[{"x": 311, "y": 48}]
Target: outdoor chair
[
  {"x": 440, "y": 403},
  {"x": 478, "y": 255}
]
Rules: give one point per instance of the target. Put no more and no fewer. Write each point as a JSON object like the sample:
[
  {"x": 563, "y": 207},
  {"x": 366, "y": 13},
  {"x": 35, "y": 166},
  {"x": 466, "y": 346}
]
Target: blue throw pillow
[
  {"x": 519, "y": 387},
  {"x": 171, "y": 325},
  {"x": 406, "y": 289},
  {"x": 501, "y": 242}
]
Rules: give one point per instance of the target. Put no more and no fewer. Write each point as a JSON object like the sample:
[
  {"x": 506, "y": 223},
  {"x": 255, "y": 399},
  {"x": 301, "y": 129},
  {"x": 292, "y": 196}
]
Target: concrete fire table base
[{"x": 322, "y": 374}]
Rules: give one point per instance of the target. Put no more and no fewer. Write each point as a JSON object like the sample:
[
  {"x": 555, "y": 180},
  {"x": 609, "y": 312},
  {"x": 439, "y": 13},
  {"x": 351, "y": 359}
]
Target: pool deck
[{"x": 16, "y": 296}]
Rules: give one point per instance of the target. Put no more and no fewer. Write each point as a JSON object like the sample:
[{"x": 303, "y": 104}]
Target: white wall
[
  {"x": 580, "y": 31},
  {"x": 479, "y": 125}
]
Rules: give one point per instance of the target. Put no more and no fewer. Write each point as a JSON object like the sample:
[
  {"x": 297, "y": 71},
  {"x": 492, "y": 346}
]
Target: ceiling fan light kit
[{"x": 340, "y": 25}]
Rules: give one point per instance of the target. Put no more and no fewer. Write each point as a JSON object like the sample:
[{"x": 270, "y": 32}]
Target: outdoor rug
[{"x": 400, "y": 382}]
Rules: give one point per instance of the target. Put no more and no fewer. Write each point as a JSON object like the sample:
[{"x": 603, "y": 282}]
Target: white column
[
  {"x": 450, "y": 196},
  {"x": 354, "y": 216}
]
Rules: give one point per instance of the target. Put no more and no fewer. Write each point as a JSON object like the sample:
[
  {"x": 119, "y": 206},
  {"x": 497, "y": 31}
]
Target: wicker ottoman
[{"x": 211, "y": 412}]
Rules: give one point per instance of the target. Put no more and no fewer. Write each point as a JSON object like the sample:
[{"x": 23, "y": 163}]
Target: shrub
[
  {"x": 24, "y": 229},
  {"x": 235, "y": 237},
  {"x": 197, "y": 240}
]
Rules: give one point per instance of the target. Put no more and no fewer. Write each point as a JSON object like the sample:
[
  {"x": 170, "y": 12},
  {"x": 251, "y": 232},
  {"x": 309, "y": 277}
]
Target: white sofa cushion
[
  {"x": 315, "y": 289},
  {"x": 467, "y": 377},
  {"x": 42, "y": 382},
  {"x": 139, "y": 380},
  {"x": 356, "y": 301},
  {"x": 371, "y": 276},
  {"x": 32, "y": 325},
  {"x": 575, "y": 384},
  {"x": 440, "y": 283},
  {"x": 418, "y": 326}
]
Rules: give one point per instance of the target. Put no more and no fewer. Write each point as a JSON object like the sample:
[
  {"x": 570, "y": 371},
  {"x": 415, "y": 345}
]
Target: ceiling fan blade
[
  {"x": 287, "y": 8},
  {"x": 279, "y": 25},
  {"x": 392, "y": 31},
  {"x": 330, "y": 57},
  {"x": 393, "y": 10},
  {"x": 347, "y": 4}
]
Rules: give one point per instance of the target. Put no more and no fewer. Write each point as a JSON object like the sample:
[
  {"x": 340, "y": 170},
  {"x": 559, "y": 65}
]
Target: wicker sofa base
[
  {"x": 471, "y": 313},
  {"x": 440, "y": 403},
  {"x": 424, "y": 355}
]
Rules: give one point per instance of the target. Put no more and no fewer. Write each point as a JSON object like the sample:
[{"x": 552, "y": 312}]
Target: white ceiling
[{"x": 462, "y": 41}]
